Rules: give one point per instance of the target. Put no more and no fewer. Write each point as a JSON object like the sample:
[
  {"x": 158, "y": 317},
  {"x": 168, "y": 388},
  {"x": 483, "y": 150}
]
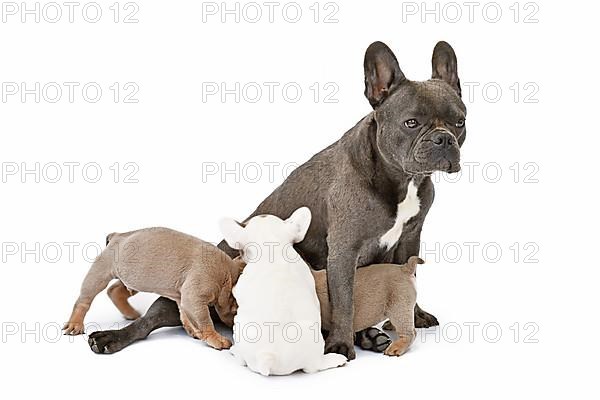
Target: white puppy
[{"x": 277, "y": 329}]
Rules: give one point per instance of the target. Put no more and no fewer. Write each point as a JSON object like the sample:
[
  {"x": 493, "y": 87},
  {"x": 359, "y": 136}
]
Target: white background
[{"x": 171, "y": 136}]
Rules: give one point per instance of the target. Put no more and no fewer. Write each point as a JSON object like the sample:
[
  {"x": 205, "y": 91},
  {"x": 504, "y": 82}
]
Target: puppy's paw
[
  {"x": 217, "y": 341},
  {"x": 372, "y": 339},
  {"x": 343, "y": 347},
  {"x": 73, "y": 328},
  {"x": 132, "y": 315},
  {"x": 398, "y": 347},
  {"x": 107, "y": 342}
]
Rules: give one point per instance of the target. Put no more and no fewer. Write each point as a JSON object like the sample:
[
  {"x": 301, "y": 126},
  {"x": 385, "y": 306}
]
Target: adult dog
[{"x": 369, "y": 192}]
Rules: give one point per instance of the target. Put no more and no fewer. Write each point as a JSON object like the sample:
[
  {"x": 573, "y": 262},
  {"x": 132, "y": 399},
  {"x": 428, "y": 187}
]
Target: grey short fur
[{"x": 353, "y": 187}]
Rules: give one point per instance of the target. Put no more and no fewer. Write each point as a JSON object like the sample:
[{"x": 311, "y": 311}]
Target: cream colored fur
[
  {"x": 381, "y": 291},
  {"x": 192, "y": 272},
  {"x": 277, "y": 327}
]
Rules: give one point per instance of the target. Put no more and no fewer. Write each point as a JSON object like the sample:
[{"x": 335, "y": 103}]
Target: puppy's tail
[
  {"x": 411, "y": 265},
  {"x": 264, "y": 363}
]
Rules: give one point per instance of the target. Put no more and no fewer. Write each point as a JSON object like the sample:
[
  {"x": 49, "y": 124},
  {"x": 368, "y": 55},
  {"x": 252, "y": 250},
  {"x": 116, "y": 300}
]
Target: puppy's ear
[
  {"x": 299, "y": 222},
  {"x": 240, "y": 263},
  {"x": 382, "y": 73},
  {"x": 444, "y": 65},
  {"x": 233, "y": 233}
]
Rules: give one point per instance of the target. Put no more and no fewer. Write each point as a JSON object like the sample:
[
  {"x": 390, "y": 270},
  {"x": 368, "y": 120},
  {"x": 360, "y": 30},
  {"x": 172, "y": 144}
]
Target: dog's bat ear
[
  {"x": 299, "y": 222},
  {"x": 444, "y": 65},
  {"x": 233, "y": 233},
  {"x": 382, "y": 73}
]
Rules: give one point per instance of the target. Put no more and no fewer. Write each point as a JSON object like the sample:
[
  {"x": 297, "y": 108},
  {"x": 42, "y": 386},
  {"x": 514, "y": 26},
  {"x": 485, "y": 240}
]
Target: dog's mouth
[
  {"x": 452, "y": 167},
  {"x": 425, "y": 169}
]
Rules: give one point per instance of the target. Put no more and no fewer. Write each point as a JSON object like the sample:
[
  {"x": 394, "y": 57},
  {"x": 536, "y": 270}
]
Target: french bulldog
[
  {"x": 193, "y": 273},
  {"x": 394, "y": 299},
  {"x": 276, "y": 297},
  {"x": 369, "y": 192}
]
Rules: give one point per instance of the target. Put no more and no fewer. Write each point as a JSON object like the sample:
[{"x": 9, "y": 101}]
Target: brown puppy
[
  {"x": 192, "y": 272},
  {"x": 381, "y": 291}
]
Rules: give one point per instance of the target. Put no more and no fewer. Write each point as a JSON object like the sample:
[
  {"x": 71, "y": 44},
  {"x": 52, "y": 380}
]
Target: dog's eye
[
  {"x": 460, "y": 123},
  {"x": 411, "y": 123}
]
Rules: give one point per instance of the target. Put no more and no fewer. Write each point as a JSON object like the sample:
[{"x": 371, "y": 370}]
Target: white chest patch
[{"x": 408, "y": 208}]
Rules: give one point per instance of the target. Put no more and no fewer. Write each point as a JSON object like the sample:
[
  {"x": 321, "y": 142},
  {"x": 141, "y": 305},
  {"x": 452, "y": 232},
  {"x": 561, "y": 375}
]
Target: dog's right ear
[
  {"x": 382, "y": 73},
  {"x": 233, "y": 233}
]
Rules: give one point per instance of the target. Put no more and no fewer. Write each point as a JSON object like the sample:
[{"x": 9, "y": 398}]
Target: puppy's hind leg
[
  {"x": 402, "y": 318},
  {"x": 119, "y": 294},
  {"x": 95, "y": 281},
  {"x": 327, "y": 361},
  {"x": 264, "y": 363}
]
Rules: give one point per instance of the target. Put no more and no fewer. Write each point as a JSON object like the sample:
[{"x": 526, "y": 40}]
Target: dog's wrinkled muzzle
[{"x": 438, "y": 150}]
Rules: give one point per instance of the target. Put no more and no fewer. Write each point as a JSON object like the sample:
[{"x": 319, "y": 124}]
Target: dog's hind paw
[
  {"x": 423, "y": 319},
  {"x": 372, "y": 339},
  {"x": 107, "y": 342}
]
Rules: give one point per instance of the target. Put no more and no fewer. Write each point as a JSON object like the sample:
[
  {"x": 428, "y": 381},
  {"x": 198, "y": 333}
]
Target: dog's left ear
[
  {"x": 382, "y": 73},
  {"x": 444, "y": 65},
  {"x": 299, "y": 222}
]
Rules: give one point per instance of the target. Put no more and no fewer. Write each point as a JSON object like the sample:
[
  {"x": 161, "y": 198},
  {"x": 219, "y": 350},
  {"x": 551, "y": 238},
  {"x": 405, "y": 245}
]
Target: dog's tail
[
  {"x": 264, "y": 363},
  {"x": 411, "y": 265},
  {"x": 109, "y": 236}
]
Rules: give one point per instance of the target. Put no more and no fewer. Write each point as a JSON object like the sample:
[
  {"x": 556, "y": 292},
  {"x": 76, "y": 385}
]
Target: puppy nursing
[
  {"x": 277, "y": 326},
  {"x": 281, "y": 303},
  {"x": 381, "y": 291},
  {"x": 183, "y": 268}
]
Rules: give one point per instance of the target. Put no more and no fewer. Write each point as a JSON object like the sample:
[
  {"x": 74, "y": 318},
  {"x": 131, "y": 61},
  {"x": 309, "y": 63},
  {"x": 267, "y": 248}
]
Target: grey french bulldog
[{"x": 369, "y": 192}]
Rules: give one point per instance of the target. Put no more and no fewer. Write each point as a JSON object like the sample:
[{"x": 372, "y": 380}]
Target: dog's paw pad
[{"x": 373, "y": 339}]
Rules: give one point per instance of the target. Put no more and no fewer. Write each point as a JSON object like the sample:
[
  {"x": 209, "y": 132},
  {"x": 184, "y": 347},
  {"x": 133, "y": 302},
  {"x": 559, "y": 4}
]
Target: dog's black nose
[{"x": 443, "y": 139}]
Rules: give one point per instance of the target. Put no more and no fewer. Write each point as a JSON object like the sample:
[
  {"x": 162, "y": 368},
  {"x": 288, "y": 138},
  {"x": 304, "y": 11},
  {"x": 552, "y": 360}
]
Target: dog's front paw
[
  {"x": 343, "y": 347},
  {"x": 73, "y": 328},
  {"x": 372, "y": 339},
  {"x": 107, "y": 342},
  {"x": 218, "y": 342},
  {"x": 423, "y": 319}
]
